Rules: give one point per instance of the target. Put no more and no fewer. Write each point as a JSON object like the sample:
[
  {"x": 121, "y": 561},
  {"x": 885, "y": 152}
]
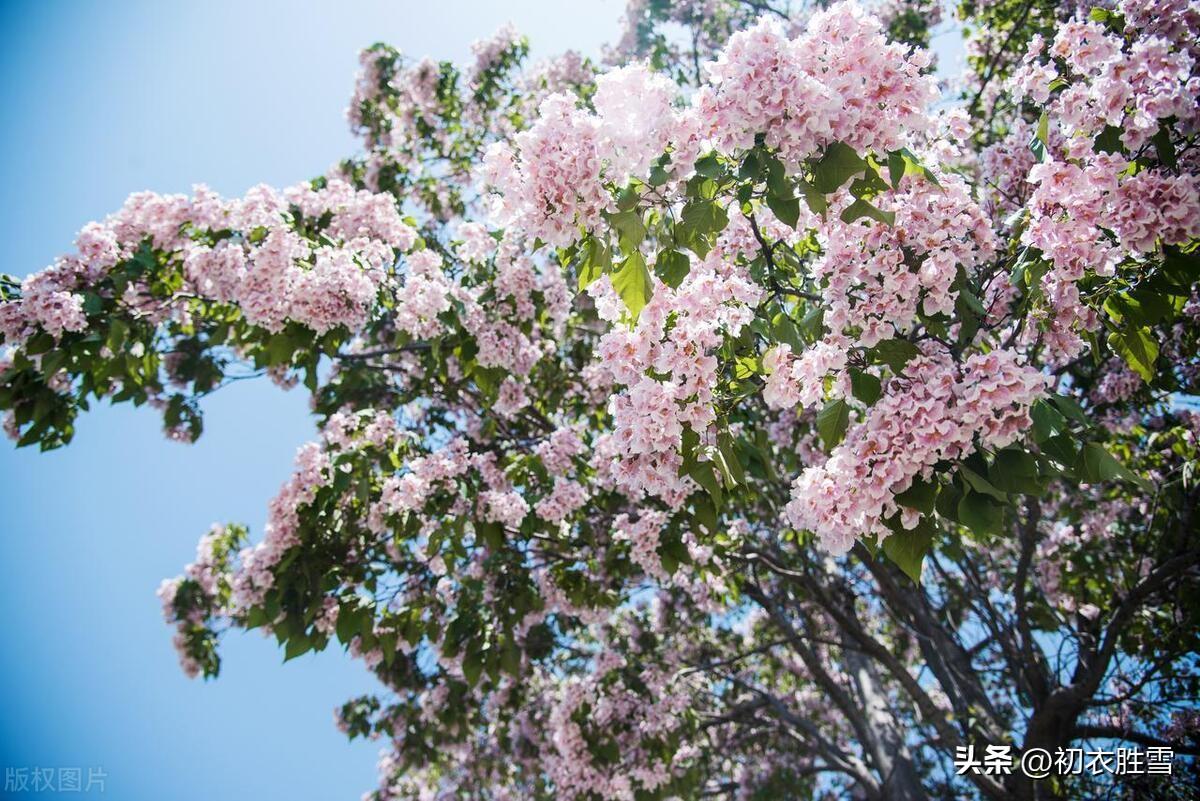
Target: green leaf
[
  {"x": 861, "y": 208},
  {"x": 895, "y": 353},
  {"x": 595, "y": 260},
  {"x": 865, "y": 386},
  {"x": 748, "y": 171},
  {"x": 631, "y": 230},
  {"x": 38, "y": 343},
  {"x": 632, "y": 283},
  {"x": 812, "y": 326},
  {"x": 920, "y": 496},
  {"x": 628, "y": 198},
  {"x": 1164, "y": 147},
  {"x": 981, "y": 484},
  {"x": 1061, "y": 448},
  {"x": 832, "y": 422},
  {"x": 347, "y": 626},
  {"x": 710, "y": 166},
  {"x": 1096, "y": 464},
  {"x": 705, "y": 512},
  {"x": 747, "y": 366},
  {"x": 981, "y": 514},
  {"x": 784, "y": 330},
  {"x": 1136, "y": 346},
  {"x": 835, "y": 167},
  {"x": 700, "y": 222},
  {"x": 52, "y": 361},
  {"x": 1071, "y": 408},
  {"x": 1015, "y": 471},
  {"x": 491, "y": 533},
  {"x": 869, "y": 185},
  {"x": 1179, "y": 270},
  {"x": 703, "y": 473},
  {"x": 903, "y": 162},
  {"x": 728, "y": 450},
  {"x": 947, "y": 501},
  {"x": 1108, "y": 141},
  {"x": 907, "y": 548},
  {"x": 777, "y": 181},
  {"x": 510, "y": 658},
  {"x": 296, "y": 646},
  {"x": 1139, "y": 307},
  {"x": 786, "y": 209},
  {"x": 672, "y": 267},
  {"x": 673, "y": 553},
  {"x": 966, "y": 293},
  {"x": 117, "y": 331},
  {"x": 92, "y": 303},
  {"x": 817, "y": 203},
  {"x": 472, "y": 665},
  {"x": 716, "y": 456},
  {"x": 1047, "y": 421},
  {"x": 706, "y": 217}
]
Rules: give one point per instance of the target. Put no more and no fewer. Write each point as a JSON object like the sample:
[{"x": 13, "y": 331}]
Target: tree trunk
[{"x": 887, "y": 751}]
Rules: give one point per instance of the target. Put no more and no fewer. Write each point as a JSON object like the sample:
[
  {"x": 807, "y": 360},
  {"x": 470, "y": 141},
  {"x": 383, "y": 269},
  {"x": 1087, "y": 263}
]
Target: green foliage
[{"x": 632, "y": 283}]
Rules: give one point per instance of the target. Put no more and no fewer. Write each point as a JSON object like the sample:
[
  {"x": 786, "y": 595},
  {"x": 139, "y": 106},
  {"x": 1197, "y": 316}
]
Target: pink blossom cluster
[
  {"x": 255, "y": 573},
  {"x": 1129, "y": 83},
  {"x": 675, "y": 338},
  {"x": 475, "y": 244},
  {"x": 930, "y": 11},
  {"x": 368, "y": 83},
  {"x": 1116, "y": 383},
  {"x": 1003, "y": 168},
  {"x": 871, "y": 292},
  {"x": 1097, "y": 526},
  {"x": 565, "y": 499},
  {"x": 506, "y": 507},
  {"x": 167, "y": 593},
  {"x": 643, "y": 538},
  {"x": 602, "y": 704},
  {"x": 375, "y": 427},
  {"x": 565, "y": 72},
  {"x": 424, "y": 476},
  {"x": 801, "y": 380},
  {"x": 549, "y": 181},
  {"x": 267, "y": 267},
  {"x": 932, "y": 413},
  {"x": 1153, "y": 206},
  {"x": 1072, "y": 206},
  {"x": 424, "y": 296},
  {"x": 554, "y": 186},
  {"x": 1177, "y": 21},
  {"x": 840, "y": 80},
  {"x": 515, "y": 315},
  {"x": 416, "y": 105},
  {"x": 206, "y": 577},
  {"x": 490, "y": 51},
  {"x": 559, "y": 451},
  {"x": 635, "y": 119}
]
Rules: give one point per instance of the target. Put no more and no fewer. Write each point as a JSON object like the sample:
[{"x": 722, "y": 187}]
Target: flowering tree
[{"x": 726, "y": 423}]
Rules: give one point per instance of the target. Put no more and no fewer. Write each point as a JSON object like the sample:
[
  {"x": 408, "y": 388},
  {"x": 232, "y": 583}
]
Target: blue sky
[{"x": 99, "y": 100}]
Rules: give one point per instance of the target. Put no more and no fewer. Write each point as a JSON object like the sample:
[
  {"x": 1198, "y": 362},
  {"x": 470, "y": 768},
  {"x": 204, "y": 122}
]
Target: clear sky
[{"x": 101, "y": 99}]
